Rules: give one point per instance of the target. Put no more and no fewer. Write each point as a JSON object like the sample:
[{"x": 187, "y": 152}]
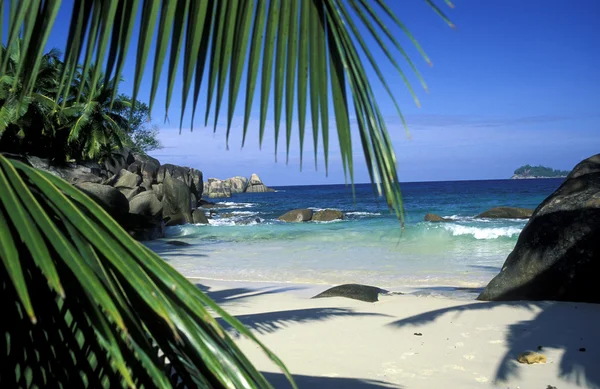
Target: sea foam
[{"x": 482, "y": 232}]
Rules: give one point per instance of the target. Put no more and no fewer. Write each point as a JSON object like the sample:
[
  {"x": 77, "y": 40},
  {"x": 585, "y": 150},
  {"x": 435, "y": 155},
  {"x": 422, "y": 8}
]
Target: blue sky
[{"x": 516, "y": 83}]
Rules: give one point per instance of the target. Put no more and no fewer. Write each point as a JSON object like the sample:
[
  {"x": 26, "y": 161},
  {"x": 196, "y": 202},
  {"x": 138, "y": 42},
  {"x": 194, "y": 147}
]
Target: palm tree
[{"x": 83, "y": 304}]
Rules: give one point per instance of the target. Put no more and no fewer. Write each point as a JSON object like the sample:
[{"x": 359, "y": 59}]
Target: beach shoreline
[{"x": 411, "y": 341}]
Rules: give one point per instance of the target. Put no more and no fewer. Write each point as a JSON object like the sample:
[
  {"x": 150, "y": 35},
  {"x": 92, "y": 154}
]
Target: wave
[
  {"x": 482, "y": 232},
  {"x": 235, "y": 222},
  {"x": 363, "y": 213},
  {"x": 231, "y": 204}
]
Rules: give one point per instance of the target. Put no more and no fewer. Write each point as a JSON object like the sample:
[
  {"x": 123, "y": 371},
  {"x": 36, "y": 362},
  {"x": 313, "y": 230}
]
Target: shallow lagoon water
[{"x": 368, "y": 246}]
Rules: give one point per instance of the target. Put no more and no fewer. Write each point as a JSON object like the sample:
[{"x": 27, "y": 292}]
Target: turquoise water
[{"x": 368, "y": 246}]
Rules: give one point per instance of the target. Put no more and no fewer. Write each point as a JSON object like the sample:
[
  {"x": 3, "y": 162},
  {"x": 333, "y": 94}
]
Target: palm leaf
[{"x": 134, "y": 304}]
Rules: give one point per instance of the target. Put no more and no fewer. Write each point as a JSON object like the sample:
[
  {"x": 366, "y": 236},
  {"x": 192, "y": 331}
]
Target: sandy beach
[{"x": 411, "y": 341}]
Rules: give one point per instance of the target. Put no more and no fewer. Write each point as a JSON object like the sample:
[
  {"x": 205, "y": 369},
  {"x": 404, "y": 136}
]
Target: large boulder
[
  {"x": 196, "y": 182},
  {"x": 506, "y": 213},
  {"x": 432, "y": 217},
  {"x": 176, "y": 202},
  {"x": 557, "y": 255},
  {"x": 192, "y": 178},
  {"x": 130, "y": 193},
  {"x": 158, "y": 190},
  {"x": 126, "y": 179},
  {"x": 73, "y": 173},
  {"x": 199, "y": 217},
  {"x": 119, "y": 160},
  {"x": 366, "y": 293},
  {"x": 297, "y": 215},
  {"x": 255, "y": 185},
  {"x": 109, "y": 198},
  {"x": 237, "y": 184},
  {"x": 215, "y": 188},
  {"x": 146, "y": 204},
  {"x": 327, "y": 215}
]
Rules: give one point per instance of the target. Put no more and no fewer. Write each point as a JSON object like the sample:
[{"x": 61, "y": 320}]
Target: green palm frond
[
  {"x": 136, "y": 305},
  {"x": 291, "y": 33}
]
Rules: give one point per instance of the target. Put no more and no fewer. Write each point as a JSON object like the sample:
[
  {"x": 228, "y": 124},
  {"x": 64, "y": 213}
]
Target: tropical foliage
[
  {"x": 83, "y": 304},
  {"x": 85, "y": 127}
]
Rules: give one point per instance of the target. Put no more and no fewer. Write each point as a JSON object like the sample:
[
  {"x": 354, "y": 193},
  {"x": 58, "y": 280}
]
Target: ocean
[{"x": 244, "y": 241}]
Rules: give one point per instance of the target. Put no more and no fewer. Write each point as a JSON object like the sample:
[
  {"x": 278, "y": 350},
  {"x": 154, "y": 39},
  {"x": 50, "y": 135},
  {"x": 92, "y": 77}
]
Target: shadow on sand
[
  {"x": 558, "y": 325},
  {"x": 236, "y": 294},
  {"x": 268, "y": 322},
  {"x": 279, "y": 381}
]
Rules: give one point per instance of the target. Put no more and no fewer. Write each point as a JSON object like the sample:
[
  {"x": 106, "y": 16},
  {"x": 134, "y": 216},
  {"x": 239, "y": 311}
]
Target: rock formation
[
  {"x": 327, "y": 215},
  {"x": 432, "y": 217},
  {"x": 506, "y": 213},
  {"x": 216, "y": 188},
  {"x": 557, "y": 255},
  {"x": 296, "y": 215},
  {"x": 139, "y": 192},
  {"x": 366, "y": 293}
]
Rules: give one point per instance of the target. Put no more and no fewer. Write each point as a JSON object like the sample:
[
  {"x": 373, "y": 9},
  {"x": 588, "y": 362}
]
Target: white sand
[{"x": 344, "y": 343}]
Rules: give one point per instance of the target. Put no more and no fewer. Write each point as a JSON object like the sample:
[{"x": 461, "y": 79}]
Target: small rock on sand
[{"x": 530, "y": 357}]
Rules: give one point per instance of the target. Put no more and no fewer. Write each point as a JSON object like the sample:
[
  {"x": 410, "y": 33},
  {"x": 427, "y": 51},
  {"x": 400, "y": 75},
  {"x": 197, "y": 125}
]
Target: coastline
[{"x": 343, "y": 343}]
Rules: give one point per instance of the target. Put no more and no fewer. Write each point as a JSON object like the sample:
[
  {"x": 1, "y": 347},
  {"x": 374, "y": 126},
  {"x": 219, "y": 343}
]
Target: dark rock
[
  {"x": 557, "y": 254},
  {"x": 130, "y": 193},
  {"x": 109, "y": 198},
  {"x": 177, "y": 243},
  {"x": 327, "y": 215},
  {"x": 506, "y": 213},
  {"x": 366, "y": 293},
  {"x": 206, "y": 203},
  {"x": 141, "y": 227},
  {"x": 176, "y": 202},
  {"x": 126, "y": 179},
  {"x": 432, "y": 217},
  {"x": 146, "y": 204},
  {"x": 73, "y": 173},
  {"x": 199, "y": 217},
  {"x": 196, "y": 183},
  {"x": 296, "y": 215},
  {"x": 158, "y": 189},
  {"x": 119, "y": 160}
]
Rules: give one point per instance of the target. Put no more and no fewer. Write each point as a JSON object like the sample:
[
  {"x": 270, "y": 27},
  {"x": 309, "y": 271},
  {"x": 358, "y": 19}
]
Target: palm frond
[
  {"x": 233, "y": 27},
  {"x": 135, "y": 304}
]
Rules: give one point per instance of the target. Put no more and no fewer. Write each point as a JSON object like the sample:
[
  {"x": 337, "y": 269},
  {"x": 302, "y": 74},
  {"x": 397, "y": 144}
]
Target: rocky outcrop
[
  {"x": 506, "y": 213},
  {"x": 71, "y": 172},
  {"x": 365, "y": 293},
  {"x": 147, "y": 204},
  {"x": 136, "y": 190},
  {"x": 216, "y": 188},
  {"x": 432, "y": 217},
  {"x": 237, "y": 184},
  {"x": 327, "y": 215},
  {"x": 557, "y": 255},
  {"x": 255, "y": 185},
  {"x": 306, "y": 215},
  {"x": 176, "y": 201},
  {"x": 296, "y": 216},
  {"x": 199, "y": 217},
  {"x": 109, "y": 198}
]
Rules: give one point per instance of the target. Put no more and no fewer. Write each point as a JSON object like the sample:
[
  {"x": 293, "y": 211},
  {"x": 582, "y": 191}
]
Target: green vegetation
[
  {"x": 540, "y": 171},
  {"x": 83, "y": 304},
  {"x": 87, "y": 123}
]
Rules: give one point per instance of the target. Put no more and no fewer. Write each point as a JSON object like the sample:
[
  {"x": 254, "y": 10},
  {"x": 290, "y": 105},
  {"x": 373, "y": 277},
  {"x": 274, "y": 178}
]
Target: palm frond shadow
[
  {"x": 304, "y": 381},
  {"x": 557, "y": 326},
  {"x": 237, "y": 294},
  {"x": 269, "y": 322}
]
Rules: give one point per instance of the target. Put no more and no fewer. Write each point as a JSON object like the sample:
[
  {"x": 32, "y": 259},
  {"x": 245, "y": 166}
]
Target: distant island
[{"x": 528, "y": 171}]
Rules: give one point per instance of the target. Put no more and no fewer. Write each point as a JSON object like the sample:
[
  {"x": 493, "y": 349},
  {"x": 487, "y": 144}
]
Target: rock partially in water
[
  {"x": 255, "y": 185},
  {"x": 366, "y": 293},
  {"x": 432, "y": 217},
  {"x": 557, "y": 256},
  {"x": 506, "y": 213},
  {"x": 176, "y": 202},
  {"x": 327, "y": 215},
  {"x": 177, "y": 243},
  {"x": 296, "y": 216},
  {"x": 199, "y": 217}
]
